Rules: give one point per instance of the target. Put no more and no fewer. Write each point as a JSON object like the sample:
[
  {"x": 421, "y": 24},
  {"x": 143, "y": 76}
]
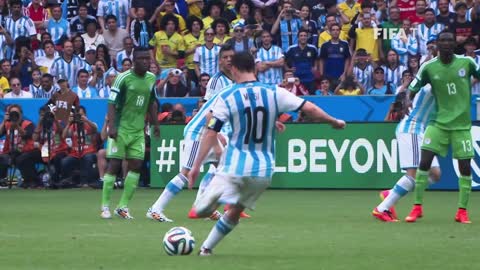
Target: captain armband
[{"x": 215, "y": 124}]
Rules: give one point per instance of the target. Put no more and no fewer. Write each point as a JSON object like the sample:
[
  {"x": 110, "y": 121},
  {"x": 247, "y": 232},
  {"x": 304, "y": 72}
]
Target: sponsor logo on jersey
[
  {"x": 461, "y": 72},
  {"x": 427, "y": 141}
]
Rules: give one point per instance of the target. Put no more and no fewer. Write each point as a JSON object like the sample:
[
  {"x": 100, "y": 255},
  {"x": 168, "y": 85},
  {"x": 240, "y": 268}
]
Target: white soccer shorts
[
  {"x": 224, "y": 189},
  {"x": 409, "y": 150}
]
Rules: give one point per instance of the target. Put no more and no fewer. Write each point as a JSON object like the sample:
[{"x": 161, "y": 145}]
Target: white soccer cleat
[
  {"x": 160, "y": 217},
  {"x": 105, "y": 213},
  {"x": 205, "y": 252},
  {"x": 123, "y": 213}
]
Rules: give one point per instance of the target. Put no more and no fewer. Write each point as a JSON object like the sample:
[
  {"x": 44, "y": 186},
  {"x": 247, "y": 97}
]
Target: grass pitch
[{"x": 296, "y": 229}]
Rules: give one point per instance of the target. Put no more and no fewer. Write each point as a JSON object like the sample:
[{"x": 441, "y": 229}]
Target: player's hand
[
  {"x": 112, "y": 132},
  {"x": 192, "y": 176},
  {"x": 156, "y": 131},
  {"x": 338, "y": 124},
  {"x": 280, "y": 126}
]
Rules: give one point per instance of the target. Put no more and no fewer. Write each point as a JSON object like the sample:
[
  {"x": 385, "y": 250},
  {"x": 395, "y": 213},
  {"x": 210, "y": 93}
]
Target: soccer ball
[{"x": 178, "y": 241}]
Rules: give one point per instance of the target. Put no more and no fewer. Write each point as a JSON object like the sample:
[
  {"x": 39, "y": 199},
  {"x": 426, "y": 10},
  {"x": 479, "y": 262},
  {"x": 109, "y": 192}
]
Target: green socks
[
  {"x": 129, "y": 187},
  {"x": 108, "y": 181},
  {"x": 465, "y": 187},
  {"x": 420, "y": 185}
]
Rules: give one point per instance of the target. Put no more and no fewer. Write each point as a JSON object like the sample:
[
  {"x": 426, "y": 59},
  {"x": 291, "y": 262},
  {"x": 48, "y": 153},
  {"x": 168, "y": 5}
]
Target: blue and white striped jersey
[
  {"x": 22, "y": 27},
  {"x": 89, "y": 92},
  {"x": 394, "y": 75},
  {"x": 61, "y": 69},
  {"x": 120, "y": 56},
  {"x": 32, "y": 88},
  {"x": 3, "y": 46},
  {"x": 194, "y": 129},
  {"x": 476, "y": 86},
  {"x": 364, "y": 76},
  {"x": 119, "y": 8},
  {"x": 44, "y": 94},
  {"x": 416, "y": 121},
  {"x": 271, "y": 75},
  {"x": 216, "y": 84},
  {"x": 404, "y": 49},
  {"x": 425, "y": 34},
  {"x": 251, "y": 108},
  {"x": 41, "y": 53},
  {"x": 289, "y": 32},
  {"x": 58, "y": 29},
  {"x": 207, "y": 59}
]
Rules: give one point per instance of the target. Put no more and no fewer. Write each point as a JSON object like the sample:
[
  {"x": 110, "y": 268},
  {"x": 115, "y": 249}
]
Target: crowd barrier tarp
[{"x": 363, "y": 156}]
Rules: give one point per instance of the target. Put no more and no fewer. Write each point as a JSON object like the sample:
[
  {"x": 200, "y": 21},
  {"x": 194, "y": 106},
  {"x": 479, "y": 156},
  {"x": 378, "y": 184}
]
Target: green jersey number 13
[{"x": 452, "y": 88}]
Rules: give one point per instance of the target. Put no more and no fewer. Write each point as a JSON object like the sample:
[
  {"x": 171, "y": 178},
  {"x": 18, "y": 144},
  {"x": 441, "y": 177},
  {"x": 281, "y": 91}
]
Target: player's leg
[
  {"x": 115, "y": 154},
  {"x": 462, "y": 149},
  {"x": 204, "y": 183}
]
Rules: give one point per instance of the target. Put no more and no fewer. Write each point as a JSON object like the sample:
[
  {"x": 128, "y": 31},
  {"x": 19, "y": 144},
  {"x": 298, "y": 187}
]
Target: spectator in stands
[
  {"x": 380, "y": 87},
  {"x": 288, "y": 25},
  {"x": 330, "y": 8},
  {"x": 244, "y": 11},
  {"x": 126, "y": 64},
  {"x": 407, "y": 8},
  {"x": 167, "y": 43},
  {"x": 92, "y": 37},
  {"x": 39, "y": 52},
  {"x": 462, "y": 28},
  {"x": 4, "y": 11},
  {"x": 19, "y": 146},
  {"x": 141, "y": 30},
  {"x": 114, "y": 36},
  {"x": 270, "y": 61},
  {"x": 301, "y": 59},
  {"x": 103, "y": 53},
  {"x": 335, "y": 55},
  {"x": 362, "y": 68},
  {"x": 47, "y": 89},
  {"x": 325, "y": 35},
  {"x": 308, "y": 23},
  {"x": 348, "y": 10},
  {"x": 221, "y": 28},
  {"x": 109, "y": 78},
  {"x": 16, "y": 90},
  {"x": 350, "y": 87},
  {"x": 63, "y": 100},
  {"x": 393, "y": 69},
  {"x": 97, "y": 79},
  {"x": 167, "y": 8},
  {"x": 155, "y": 69},
  {"x": 5, "y": 71},
  {"x": 72, "y": 9},
  {"x": 18, "y": 25},
  {"x": 77, "y": 23},
  {"x": 67, "y": 65},
  {"x": 78, "y": 46},
  {"x": 206, "y": 56},
  {"x": 293, "y": 84},
  {"x": 83, "y": 152},
  {"x": 381, "y": 13},
  {"x": 364, "y": 37},
  {"x": 214, "y": 11},
  {"x": 390, "y": 28},
  {"x": 419, "y": 17},
  {"x": 57, "y": 26},
  {"x": 405, "y": 43},
  {"x": 193, "y": 40},
  {"x": 5, "y": 41},
  {"x": 45, "y": 62},
  {"x": 127, "y": 52},
  {"x": 407, "y": 78},
  {"x": 37, "y": 13},
  {"x": 178, "y": 114},
  {"x": 240, "y": 42},
  {"x": 201, "y": 89},
  {"x": 444, "y": 16},
  {"x": 431, "y": 51},
  {"x": 195, "y": 8},
  {"x": 470, "y": 46},
  {"x": 90, "y": 55},
  {"x": 24, "y": 65},
  {"x": 172, "y": 86},
  {"x": 325, "y": 88},
  {"x": 413, "y": 65},
  {"x": 36, "y": 84},
  {"x": 115, "y": 8},
  {"x": 83, "y": 89},
  {"x": 427, "y": 30}
]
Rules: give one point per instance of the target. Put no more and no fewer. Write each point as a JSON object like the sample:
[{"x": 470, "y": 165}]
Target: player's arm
[
  {"x": 475, "y": 68},
  {"x": 113, "y": 101},
  {"x": 153, "y": 111},
  {"x": 421, "y": 79}
]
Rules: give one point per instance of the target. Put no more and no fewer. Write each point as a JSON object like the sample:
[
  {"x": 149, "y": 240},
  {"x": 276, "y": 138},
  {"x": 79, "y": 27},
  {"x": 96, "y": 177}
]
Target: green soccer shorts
[
  {"x": 127, "y": 146},
  {"x": 438, "y": 140}
]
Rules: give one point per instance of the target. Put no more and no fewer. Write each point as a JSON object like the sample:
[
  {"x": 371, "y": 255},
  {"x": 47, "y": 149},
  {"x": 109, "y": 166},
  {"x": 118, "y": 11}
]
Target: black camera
[
  {"x": 48, "y": 119},
  {"x": 291, "y": 10},
  {"x": 14, "y": 116}
]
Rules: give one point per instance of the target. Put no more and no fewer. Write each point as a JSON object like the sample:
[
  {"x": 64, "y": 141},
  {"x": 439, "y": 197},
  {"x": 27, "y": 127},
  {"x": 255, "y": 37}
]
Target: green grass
[{"x": 290, "y": 230}]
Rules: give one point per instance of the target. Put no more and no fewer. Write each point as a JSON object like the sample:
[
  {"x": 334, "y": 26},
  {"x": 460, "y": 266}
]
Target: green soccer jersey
[
  {"x": 451, "y": 87},
  {"x": 132, "y": 96}
]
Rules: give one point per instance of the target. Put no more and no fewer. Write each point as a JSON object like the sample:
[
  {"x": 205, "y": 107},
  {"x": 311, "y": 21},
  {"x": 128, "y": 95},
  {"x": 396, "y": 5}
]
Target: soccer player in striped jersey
[
  {"x": 57, "y": 26},
  {"x": 270, "y": 61},
  {"x": 223, "y": 77},
  {"x": 119, "y": 8},
  {"x": 409, "y": 135},
  {"x": 67, "y": 66},
  {"x": 427, "y": 30},
  {"x": 206, "y": 56},
  {"x": 246, "y": 168}
]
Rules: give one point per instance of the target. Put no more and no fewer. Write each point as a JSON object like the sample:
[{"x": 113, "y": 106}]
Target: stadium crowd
[{"x": 70, "y": 50}]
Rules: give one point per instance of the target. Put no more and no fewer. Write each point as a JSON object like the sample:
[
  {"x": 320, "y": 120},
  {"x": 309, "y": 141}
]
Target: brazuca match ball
[{"x": 178, "y": 241}]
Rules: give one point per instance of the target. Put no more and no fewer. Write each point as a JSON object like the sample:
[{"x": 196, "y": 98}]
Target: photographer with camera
[
  {"x": 293, "y": 84},
  {"x": 48, "y": 137},
  {"x": 289, "y": 25},
  {"x": 83, "y": 151},
  {"x": 172, "y": 86},
  {"x": 18, "y": 150}
]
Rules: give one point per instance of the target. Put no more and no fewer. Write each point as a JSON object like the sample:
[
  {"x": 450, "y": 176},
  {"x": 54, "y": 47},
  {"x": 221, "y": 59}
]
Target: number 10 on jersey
[{"x": 256, "y": 124}]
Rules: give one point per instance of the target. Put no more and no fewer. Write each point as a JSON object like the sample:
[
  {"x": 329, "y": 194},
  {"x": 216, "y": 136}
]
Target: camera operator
[
  {"x": 63, "y": 100},
  {"x": 83, "y": 153},
  {"x": 19, "y": 147},
  {"x": 48, "y": 135},
  {"x": 173, "y": 85}
]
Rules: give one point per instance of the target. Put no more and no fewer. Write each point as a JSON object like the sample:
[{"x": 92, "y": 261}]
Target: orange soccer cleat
[
  {"x": 383, "y": 195},
  {"x": 384, "y": 216},
  {"x": 417, "y": 212},
  {"x": 462, "y": 216}
]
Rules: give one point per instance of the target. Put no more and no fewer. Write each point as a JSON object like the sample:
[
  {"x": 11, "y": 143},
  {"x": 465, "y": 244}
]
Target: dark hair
[
  {"x": 84, "y": 71},
  {"x": 81, "y": 107},
  {"x": 82, "y": 4},
  {"x": 89, "y": 21},
  {"x": 303, "y": 30},
  {"x": 336, "y": 24},
  {"x": 4, "y": 61},
  {"x": 244, "y": 62},
  {"x": 239, "y": 3},
  {"x": 203, "y": 75},
  {"x": 166, "y": 107},
  {"x": 224, "y": 48},
  {"x": 82, "y": 48},
  {"x": 405, "y": 72},
  {"x": 366, "y": 4},
  {"x": 191, "y": 19},
  {"x": 220, "y": 21},
  {"x": 138, "y": 50},
  {"x": 106, "y": 58},
  {"x": 167, "y": 18},
  {"x": 110, "y": 17},
  {"x": 48, "y": 42},
  {"x": 429, "y": 10},
  {"x": 45, "y": 34},
  {"x": 126, "y": 60},
  {"x": 210, "y": 4},
  {"x": 348, "y": 82},
  {"x": 15, "y": 106},
  {"x": 15, "y": 2},
  {"x": 47, "y": 75}
]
